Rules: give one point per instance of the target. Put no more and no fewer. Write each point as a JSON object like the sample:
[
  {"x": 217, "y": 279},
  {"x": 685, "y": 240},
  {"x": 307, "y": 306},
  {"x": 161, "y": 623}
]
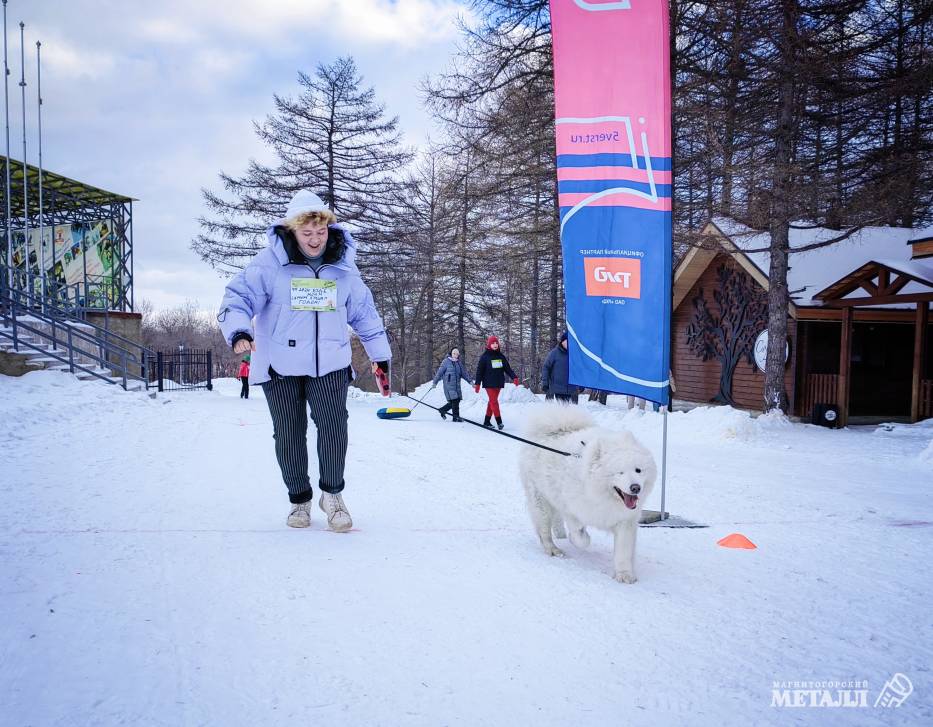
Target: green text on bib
[{"x": 314, "y": 294}]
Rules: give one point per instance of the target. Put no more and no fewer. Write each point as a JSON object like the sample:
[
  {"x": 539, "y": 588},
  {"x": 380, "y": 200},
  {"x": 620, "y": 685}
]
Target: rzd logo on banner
[{"x": 613, "y": 277}]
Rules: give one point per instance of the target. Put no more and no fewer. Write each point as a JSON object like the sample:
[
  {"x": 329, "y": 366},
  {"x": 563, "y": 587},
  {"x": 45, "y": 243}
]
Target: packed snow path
[{"x": 148, "y": 577}]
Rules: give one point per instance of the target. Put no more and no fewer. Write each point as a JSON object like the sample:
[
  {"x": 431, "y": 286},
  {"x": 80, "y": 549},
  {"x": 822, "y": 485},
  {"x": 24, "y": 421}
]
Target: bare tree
[{"x": 334, "y": 139}]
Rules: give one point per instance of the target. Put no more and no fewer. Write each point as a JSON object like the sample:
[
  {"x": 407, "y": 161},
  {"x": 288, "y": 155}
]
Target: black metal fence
[{"x": 182, "y": 370}]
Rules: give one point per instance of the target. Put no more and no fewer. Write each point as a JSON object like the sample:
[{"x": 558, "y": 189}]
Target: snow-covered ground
[{"x": 148, "y": 577}]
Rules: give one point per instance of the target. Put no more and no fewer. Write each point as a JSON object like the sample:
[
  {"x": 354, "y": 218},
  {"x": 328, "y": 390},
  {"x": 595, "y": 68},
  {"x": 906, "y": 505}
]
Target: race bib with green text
[{"x": 314, "y": 294}]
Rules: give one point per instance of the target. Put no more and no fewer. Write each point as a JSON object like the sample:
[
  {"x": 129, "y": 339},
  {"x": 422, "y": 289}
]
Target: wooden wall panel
[{"x": 697, "y": 380}]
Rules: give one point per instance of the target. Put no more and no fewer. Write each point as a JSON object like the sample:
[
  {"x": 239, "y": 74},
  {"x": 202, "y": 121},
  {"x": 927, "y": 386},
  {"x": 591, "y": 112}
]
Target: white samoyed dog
[{"x": 603, "y": 485}]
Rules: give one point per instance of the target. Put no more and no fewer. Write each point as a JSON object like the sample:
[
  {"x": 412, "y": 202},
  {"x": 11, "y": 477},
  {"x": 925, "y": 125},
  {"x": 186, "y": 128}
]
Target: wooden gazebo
[{"x": 882, "y": 283}]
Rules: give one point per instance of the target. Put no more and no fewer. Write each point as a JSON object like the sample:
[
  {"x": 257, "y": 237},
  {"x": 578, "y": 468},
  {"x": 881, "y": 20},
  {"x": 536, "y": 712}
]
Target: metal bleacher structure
[{"x": 66, "y": 271}]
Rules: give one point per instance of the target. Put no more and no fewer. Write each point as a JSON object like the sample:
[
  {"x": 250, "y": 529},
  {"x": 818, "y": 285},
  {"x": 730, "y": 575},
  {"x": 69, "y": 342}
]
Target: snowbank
[
  {"x": 710, "y": 423},
  {"x": 357, "y": 394},
  {"x": 230, "y": 386}
]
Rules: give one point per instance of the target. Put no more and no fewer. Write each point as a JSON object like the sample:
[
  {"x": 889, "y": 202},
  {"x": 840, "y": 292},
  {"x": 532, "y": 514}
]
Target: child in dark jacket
[{"x": 491, "y": 371}]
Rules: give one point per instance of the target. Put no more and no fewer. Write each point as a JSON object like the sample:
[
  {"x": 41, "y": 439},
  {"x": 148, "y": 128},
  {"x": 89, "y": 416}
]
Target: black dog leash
[{"x": 496, "y": 431}]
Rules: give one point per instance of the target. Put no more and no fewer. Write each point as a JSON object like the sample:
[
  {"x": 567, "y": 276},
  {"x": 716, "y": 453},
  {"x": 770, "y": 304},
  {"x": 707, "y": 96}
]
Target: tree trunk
[
  {"x": 534, "y": 333},
  {"x": 403, "y": 351},
  {"x": 726, "y": 374},
  {"x": 555, "y": 271},
  {"x": 775, "y": 396},
  {"x": 520, "y": 294},
  {"x": 731, "y": 105},
  {"x": 461, "y": 303},
  {"x": 431, "y": 315},
  {"x": 332, "y": 202}
]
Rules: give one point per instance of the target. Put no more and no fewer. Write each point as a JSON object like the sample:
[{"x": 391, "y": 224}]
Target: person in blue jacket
[
  {"x": 450, "y": 372},
  {"x": 555, "y": 374},
  {"x": 303, "y": 289}
]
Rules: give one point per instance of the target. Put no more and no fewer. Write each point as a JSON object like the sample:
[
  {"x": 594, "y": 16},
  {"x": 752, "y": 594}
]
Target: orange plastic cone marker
[{"x": 736, "y": 540}]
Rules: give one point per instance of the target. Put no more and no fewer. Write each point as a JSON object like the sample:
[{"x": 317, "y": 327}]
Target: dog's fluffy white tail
[{"x": 557, "y": 419}]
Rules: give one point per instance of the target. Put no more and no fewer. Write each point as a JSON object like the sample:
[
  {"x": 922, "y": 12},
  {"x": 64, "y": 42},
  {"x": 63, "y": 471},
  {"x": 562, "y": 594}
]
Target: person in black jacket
[
  {"x": 555, "y": 374},
  {"x": 491, "y": 371}
]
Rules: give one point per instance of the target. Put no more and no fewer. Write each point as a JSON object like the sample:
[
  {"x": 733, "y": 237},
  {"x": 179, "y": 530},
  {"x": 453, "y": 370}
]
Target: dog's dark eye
[{"x": 638, "y": 470}]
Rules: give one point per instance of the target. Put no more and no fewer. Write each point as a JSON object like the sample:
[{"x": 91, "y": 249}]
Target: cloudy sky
[{"x": 153, "y": 99}]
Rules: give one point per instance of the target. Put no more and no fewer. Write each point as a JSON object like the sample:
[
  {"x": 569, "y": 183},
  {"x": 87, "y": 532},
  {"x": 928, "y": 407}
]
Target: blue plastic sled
[{"x": 393, "y": 412}]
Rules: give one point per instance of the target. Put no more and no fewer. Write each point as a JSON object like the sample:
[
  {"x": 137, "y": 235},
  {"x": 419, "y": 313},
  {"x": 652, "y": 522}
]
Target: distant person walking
[
  {"x": 450, "y": 372},
  {"x": 243, "y": 375},
  {"x": 491, "y": 371},
  {"x": 555, "y": 374}
]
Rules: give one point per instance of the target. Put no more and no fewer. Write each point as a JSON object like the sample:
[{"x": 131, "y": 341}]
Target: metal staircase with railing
[{"x": 47, "y": 335}]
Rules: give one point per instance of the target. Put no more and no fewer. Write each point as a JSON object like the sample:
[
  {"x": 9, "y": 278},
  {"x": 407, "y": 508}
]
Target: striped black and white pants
[{"x": 289, "y": 398}]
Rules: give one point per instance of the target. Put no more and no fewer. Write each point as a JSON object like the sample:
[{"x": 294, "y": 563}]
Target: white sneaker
[
  {"x": 338, "y": 517},
  {"x": 300, "y": 516}
]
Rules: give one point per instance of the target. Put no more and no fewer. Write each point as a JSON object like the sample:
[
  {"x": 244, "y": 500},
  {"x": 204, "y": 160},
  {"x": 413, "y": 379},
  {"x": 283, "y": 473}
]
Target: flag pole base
[{"x": 652, "y": 516}]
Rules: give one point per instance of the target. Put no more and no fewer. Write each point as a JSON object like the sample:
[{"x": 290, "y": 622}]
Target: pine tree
[{"x": 334, "y": 139}]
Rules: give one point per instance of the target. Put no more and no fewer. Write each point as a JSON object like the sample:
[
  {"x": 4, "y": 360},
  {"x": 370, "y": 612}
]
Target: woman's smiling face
[{"x": 312, "y": 238}]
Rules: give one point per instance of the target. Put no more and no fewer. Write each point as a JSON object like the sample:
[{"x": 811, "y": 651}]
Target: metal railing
[
  {"x": 63, "y": 336},
  {"x": 38, "y": 324},
  {"x": 31, "y": 303},
  {"x": 96, "y": 293}
]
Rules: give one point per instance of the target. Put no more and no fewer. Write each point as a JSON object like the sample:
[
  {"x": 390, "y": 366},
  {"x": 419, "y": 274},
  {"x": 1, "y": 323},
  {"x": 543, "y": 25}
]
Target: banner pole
[
  {"x": 664, "y": 465},
  {"x": 6, "y": 112},
  {"x": 44, "y": 264},
  {"x": 672, "y": 77},
  {"x": 22, "y": 85}
]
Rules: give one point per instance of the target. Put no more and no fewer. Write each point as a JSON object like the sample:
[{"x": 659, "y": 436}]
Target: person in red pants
[
  {"x": 243, "y": 376},
  {"x": 491, "y": 371}
]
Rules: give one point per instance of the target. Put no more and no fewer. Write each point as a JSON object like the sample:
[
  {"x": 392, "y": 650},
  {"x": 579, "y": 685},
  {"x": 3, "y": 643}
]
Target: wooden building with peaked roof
[{"x": 859, "y": 328}]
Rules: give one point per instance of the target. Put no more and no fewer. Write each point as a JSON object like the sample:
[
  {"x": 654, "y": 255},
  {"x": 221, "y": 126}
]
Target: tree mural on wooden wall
[{"x": 728, "y": 335}]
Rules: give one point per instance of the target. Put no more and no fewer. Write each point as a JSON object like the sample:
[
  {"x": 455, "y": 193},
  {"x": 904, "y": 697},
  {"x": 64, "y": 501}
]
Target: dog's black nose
[{"x": 635, "y": 489}]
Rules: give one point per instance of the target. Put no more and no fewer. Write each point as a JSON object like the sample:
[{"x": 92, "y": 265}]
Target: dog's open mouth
[{"x": 631, "y": 501}]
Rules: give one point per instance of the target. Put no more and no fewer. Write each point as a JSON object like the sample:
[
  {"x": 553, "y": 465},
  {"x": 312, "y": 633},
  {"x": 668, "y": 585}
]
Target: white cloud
[
  {"x": 208, "y": 63},
  {"x": 406, "y": 22},
  {"x": 70, "y": 59},
  {"x": 168, "y": 30},
  {"x": 303, "y": 22}
]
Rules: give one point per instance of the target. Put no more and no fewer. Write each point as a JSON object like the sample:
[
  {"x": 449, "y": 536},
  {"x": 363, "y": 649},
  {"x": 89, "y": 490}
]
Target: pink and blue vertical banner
[{"x": 613, "y": 126}]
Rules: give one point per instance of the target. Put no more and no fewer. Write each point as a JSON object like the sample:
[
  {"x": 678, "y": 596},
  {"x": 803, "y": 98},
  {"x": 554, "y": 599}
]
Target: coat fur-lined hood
[{"x": 340, "y": 250}]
